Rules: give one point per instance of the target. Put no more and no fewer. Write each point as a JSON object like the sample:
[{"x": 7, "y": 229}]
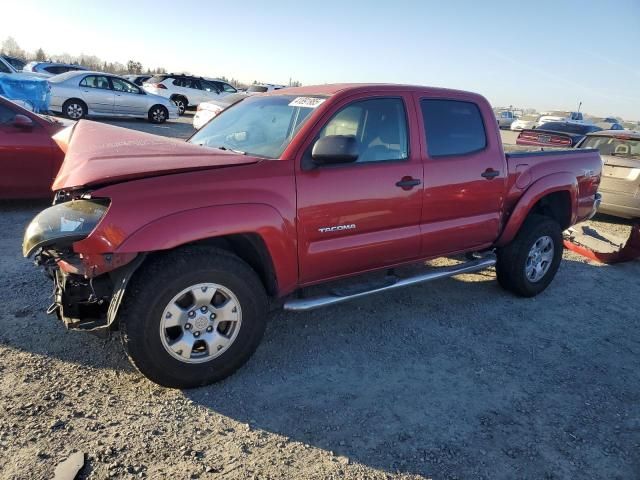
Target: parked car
[
  {"x": 181, "y": 244},
  {"x": 505, "y": 118},
  {"x": 17, "y": 63},
  {"x": 186, "y": 90},
  {"x": 620, "y": 186},
  {"x": 30, "y": 158},
  {"x": 49, "y": 69},
  {"x": 264, "y": 88},
  {"x": 207, "y": 110},
  {"x": 81, "y": 93},
  {"x": 525, "y": 122},
  {"x": 560, "y": 116},
  {"x": 7, "y": 68},
  {"x": 137, "y": 79},
  {"x": 556, "y": 134},
  {"x": 604, "y": 125}
]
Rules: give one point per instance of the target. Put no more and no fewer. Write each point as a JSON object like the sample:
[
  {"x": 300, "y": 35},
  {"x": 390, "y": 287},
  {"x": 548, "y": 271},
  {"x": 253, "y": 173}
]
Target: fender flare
[
  {"x": 278, "y": 235},
  {"x": 556, "y": 182}
]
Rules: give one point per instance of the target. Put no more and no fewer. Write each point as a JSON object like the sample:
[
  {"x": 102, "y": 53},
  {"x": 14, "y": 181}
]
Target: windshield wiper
[{"x": 222, "y": 147}]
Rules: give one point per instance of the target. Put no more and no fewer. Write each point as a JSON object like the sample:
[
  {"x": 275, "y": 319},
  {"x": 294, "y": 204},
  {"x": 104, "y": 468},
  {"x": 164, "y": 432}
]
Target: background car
[
  {"x": 263, "y": 88},
  {"x": 561, "y": 116},
  {"x": 137, "y": 79},
  {"x": 556, "y": 134},
  {"x": 50, "y": 69},
  {"x": 81, "y": 93},
  {"x": 605, "y": 125},
  {"x": 505, "y": 118},
  {"x": 525, "y": 122},
  {"x": 620, "y": 184},
  {"x": 30, "y": 158},
  {"x": 15, "y": 62},
  {"x": 207, "y": 110},
  {"x": 186, "y": 90},
  {"x": 7, "y": 68}
]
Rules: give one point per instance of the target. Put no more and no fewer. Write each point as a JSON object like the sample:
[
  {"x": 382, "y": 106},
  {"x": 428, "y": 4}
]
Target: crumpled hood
[{"x": 100, "y": 154}]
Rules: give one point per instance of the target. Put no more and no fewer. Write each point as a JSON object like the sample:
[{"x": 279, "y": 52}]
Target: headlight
[{"x": 63, "y": 224}]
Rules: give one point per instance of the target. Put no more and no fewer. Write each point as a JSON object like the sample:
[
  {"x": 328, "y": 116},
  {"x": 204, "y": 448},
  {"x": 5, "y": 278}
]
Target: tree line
[{"x": 10, "y": 47}]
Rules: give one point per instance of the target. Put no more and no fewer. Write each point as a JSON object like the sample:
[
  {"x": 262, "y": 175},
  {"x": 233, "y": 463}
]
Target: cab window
[{"x": 379, "y": 126}]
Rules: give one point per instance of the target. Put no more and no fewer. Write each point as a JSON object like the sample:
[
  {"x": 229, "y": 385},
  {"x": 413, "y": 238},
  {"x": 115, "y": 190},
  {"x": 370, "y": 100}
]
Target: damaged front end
[{"x": 88, "y": 288}]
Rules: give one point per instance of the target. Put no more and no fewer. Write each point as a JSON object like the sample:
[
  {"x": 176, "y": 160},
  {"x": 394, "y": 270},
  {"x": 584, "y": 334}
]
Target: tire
[
  {"x": 182, "y": 103},
  {"x": 74, "y": 109},
  {"x": 154, "y": 346},
  {"x": 158, "y": 114},
  {"x": 529, "y": 263}
]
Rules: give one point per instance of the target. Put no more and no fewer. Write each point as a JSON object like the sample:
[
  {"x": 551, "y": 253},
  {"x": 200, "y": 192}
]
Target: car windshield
[
  {"x": 257, "y": 89},
  {"x": 260, "y": 126},
  {"x": 574, "y": 128},
  {"x": 623, "y": 147}
]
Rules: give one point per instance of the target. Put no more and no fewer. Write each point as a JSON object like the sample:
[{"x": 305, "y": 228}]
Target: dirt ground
[{"x": 455, "y": 379}]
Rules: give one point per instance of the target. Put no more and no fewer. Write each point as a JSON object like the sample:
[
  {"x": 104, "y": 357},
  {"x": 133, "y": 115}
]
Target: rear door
[
  {"x": 464, "y": 175},
  {"x": 364, "y": 215},
  {"x": 26, "y": 159},
  {"x": 128, "y": 99},
  {"x": 97, "y": 94}
]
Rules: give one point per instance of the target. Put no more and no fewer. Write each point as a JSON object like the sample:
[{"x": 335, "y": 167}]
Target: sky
[{"x": 544, "y": 54}]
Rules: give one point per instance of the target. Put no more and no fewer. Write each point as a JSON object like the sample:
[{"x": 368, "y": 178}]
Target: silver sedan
[{"x": 81, "y": 93}]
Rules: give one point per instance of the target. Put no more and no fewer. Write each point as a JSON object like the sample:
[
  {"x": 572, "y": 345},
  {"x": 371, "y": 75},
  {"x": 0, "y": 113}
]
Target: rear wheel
[
  {"x": 158, "y": 114},
  {"x": 74, "y": 109},
  {"x": 182, "y": 104},
  {"x": 529, "y": 263},
  {"x": 193, "y": 317}
]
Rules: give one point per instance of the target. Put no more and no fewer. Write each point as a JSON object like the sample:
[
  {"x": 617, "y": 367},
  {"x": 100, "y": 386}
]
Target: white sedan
[
  {"x": 80, "y": 93},
  {"x": 525, "y": 123},
  {"x": 207, "y": 110}
]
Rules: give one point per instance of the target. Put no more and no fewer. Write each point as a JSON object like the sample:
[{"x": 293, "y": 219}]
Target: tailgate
[{"x": 621, "y": 174}]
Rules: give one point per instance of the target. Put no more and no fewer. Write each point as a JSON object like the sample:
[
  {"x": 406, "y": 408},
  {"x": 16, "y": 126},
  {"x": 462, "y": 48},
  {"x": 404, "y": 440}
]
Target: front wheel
[
  {"x": 193, "y": 317},
  {"x": 158, "y": 114},
  {"x": 530, "y": 262}
]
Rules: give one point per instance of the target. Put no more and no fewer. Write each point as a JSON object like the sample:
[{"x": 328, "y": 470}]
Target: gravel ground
[{"x": 453, "y": 379}]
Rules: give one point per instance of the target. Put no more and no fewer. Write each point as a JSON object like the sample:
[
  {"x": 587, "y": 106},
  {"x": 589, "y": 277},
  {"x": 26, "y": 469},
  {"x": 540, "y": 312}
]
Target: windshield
[
  {"x": 623, "y": 147},
  {"x": 257, "y": 89},
  {"x": 260, "y": 126}
]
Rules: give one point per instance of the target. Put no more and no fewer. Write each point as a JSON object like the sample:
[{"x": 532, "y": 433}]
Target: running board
[{"x": 304, "y": 304}]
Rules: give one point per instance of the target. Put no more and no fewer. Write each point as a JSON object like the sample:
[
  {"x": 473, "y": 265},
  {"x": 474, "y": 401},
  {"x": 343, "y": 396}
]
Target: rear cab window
[{"x": 452, "y": 127}]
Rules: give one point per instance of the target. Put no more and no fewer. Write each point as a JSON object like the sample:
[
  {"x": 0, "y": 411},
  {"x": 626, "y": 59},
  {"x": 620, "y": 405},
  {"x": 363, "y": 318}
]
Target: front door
[
  {"x": 363, "y": 215},
  {"x": 129, "y": 99},
  {"x": 464, "y": 175}
]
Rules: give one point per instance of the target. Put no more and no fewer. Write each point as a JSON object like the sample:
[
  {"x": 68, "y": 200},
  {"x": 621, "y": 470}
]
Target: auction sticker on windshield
[{"x": 307, "y": 102}]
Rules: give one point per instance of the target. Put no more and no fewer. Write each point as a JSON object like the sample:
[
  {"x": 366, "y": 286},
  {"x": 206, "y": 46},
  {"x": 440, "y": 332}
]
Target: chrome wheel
[
  {"x": 74, "y": 111},
  {"x": 158, "y": 115},
  {"x": 539, "y": 259},
  {"x": 200, "y": 323},
  {"x": 181, "y": 105}
]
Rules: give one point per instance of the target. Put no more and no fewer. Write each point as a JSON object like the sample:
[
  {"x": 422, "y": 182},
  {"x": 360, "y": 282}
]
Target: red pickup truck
[{"x": 184, "y": 245}]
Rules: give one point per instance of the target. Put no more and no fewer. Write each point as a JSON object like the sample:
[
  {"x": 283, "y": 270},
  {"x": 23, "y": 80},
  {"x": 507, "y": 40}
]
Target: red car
[
  {"x": 184, "y": 245},
  {"x": 29, "y": 156}
]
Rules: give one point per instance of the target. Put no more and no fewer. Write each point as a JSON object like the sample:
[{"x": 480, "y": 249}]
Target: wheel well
[
  {"x": 556, "y": 205},
  {"x": 176, "y": 95},
  {"x": 251, "y": 248}
]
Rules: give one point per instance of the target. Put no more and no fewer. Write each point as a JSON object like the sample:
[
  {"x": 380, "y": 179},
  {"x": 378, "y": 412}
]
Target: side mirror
[
  {"x": 22, "y": 122},
  {"x": 335, "y": 149}
]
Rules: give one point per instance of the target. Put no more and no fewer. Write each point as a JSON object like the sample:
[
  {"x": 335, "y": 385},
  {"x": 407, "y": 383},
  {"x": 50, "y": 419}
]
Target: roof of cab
[{"x": 352, "y": 88}]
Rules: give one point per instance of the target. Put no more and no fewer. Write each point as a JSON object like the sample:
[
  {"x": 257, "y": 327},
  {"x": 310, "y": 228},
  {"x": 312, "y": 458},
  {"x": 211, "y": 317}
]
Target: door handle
[
  {"x": 407, "y": 183},
  {"x": 490, "y": 173}
]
